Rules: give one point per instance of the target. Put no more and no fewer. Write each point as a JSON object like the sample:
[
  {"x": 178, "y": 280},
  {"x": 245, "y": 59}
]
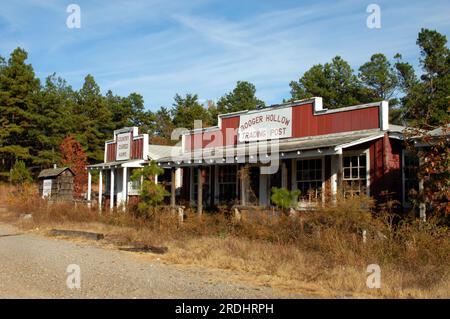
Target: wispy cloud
[{"x": 159, "y": 48}]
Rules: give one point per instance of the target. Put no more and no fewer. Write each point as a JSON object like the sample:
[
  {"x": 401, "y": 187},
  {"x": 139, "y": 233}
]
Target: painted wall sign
[
  {"x": 123, "y": 146},
  {"x": 46, "y": 188},
  {"x": 264, "y": 125}
]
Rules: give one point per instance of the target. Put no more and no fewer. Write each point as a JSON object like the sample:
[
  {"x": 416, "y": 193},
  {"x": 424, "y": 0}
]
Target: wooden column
[
  {"x": 89, "y": 190},
  {"x": 422, "y": 205},
  {"x": 200, "y": 191},
  {"x": 172, "y": 187},
  {"x": 100, "y": 190},
  {"x": 334, "y": 177},
  {"x": 124, "y": 188},
  {"x": 111, "y": 195},
  {"x": 340, "y": 174},
  {"x": 244, "y": 184}
]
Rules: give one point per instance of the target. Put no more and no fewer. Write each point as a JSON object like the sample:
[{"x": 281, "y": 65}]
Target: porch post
[
  {"x": 89, "y": 190},
  {"x": 111, "y": 196},
  {"x": 284, "y": 175},
  {"x": 200, "y": 191},
  {"x": 263, "y": 184},
  {"x": 172, "y": 187},
  {"x": 124, "y": 188},
  {"x": 244, "y": 181},
  {"x": 100, "y": 190},
  {"x": 340, "y": 174},
  {"x": 422, "y": 206},
  {"x": 334, "y": 177}
]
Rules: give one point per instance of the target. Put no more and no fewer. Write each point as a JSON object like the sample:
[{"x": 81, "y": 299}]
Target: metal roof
[
  {"x": 53, "y": 172},
  {"x": 156, "y": 152},
  {"x": 332, "y": 143}
]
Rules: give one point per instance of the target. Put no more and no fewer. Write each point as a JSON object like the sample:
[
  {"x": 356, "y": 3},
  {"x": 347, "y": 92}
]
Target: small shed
[{"x": 56, "y": 183}]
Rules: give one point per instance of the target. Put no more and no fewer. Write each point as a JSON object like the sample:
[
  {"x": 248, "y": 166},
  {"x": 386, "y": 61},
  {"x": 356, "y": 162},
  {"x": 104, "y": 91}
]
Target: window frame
[
  {"x": 295, "y": 182},
  {"x": 358, "y": 153},
  {"x": 404, "y": 178}
]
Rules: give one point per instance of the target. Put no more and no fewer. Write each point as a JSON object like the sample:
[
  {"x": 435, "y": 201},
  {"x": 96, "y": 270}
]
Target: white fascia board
[
  {"x": 384, "y": 115},
  {"x": 145, "y": 150},
  {"x": 138, "y": 163},
  {"x": 360, "y": 141}
]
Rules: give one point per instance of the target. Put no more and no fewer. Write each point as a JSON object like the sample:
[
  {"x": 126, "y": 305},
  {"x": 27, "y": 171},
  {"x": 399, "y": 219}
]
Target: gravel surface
[{"x": 33, "y": 266}]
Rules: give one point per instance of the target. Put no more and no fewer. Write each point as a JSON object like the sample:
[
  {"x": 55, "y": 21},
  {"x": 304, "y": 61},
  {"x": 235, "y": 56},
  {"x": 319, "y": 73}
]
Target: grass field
[{"x": 321, "y": 253}]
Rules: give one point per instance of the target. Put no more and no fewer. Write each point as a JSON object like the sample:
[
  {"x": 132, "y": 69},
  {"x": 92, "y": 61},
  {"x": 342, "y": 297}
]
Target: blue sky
[{"x": 159, "y": 48}]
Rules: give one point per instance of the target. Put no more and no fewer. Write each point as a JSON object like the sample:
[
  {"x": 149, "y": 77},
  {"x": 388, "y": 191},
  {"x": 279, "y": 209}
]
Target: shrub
[
  {"x": 19, "y": 174},
  {"x": 284, "y": 198},
  {"x": 152, "y": 194}
]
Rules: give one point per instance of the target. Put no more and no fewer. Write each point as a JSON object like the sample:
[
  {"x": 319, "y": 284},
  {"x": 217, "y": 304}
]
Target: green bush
[
  {"x": 19, "y": 174},
  {"x": 284, "y": 198},
  {"x": 152, "y": 194}
]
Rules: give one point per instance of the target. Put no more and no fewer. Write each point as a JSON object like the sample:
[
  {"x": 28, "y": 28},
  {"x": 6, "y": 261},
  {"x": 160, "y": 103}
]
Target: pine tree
[
  {"x": 93, "y": 118},
  {"x": 334, "y": 81},
  {"x": 57, "y": 100},
  {"x": 187, "y": 109},
  {"x": 243, "y": 97},
  {"x": 19, "y": 91}
]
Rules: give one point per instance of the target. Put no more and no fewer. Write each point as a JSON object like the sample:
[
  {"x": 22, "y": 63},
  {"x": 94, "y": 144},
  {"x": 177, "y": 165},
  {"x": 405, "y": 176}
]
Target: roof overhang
[
  {"x": 108, "y": 165},
  {"x": 315, "y": 146}
]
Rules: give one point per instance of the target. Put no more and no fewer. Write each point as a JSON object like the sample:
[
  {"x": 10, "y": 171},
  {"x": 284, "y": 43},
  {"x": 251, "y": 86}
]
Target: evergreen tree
[
  {"x": 94, "y": 119},
  {"x": 334, "y": 81},
  {"x": 187, "y": 109},
  {"x": 163, "y": 127},
  {"x": 57, "y": 100},
  {"x": 427, "y": 100},
  {"x": 19, "y": 91},
  {"x": 380, "y": 77},
  {"x": 243, "y": 97},
  {"x": 20, "y": 174}
]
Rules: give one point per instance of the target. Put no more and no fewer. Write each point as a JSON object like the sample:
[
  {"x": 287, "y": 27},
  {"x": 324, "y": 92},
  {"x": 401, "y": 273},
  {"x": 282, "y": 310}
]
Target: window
[
  {"x": 133, "y": 186},
  {"x": 227, "y": 180},
  {"x": 355, "y": 175},
  {"x": 309, "y": 178},
  {"x": 410, "y": 170}
]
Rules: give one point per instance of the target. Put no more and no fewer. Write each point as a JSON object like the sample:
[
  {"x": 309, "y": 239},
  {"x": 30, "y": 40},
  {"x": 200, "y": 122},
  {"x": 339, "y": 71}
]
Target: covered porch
[{"x": 245, "y": 174}]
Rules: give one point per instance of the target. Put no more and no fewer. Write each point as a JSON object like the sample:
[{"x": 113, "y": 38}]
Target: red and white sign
[
  {"x": 265, "y": 125},
  {"x": 123, "y": 146}
]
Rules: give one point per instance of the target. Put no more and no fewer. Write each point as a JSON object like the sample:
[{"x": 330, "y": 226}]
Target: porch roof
[
  {"x": 107, "y": 165},
  {"x": 289, "y": 148}
]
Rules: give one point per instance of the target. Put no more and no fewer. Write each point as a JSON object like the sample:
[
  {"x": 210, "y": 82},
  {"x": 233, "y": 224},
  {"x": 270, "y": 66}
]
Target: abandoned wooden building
[
  {"x": 296, "y": 145},
  {"x": 56, "y": 183}
]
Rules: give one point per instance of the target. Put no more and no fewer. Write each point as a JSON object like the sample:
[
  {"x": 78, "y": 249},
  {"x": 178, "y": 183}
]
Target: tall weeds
[{"x": 326, "y": 246}]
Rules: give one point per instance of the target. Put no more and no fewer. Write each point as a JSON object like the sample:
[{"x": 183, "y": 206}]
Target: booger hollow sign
[
  {"x": 123, "y": 146},
  {"x": 265, "y": 125}
]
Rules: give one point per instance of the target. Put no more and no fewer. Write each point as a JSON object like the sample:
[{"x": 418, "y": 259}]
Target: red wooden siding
[
  {"x": 137, "y": 150},
  {"x": 304, "y": 123},
  {"x": 111, "y": 152},
  {"x": 385, "y": 166}
]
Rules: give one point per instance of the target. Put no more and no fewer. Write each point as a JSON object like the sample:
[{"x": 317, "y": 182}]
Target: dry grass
[{"x": 318, "y": 254}]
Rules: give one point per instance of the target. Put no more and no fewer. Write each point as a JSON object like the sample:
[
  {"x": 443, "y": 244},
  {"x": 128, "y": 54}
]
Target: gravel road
[{"x": 34, "y": 266}]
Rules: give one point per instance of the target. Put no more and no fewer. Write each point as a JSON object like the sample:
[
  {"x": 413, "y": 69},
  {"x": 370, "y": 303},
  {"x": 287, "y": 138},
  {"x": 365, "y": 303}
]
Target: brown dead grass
[{"x": 319, "y": 254}]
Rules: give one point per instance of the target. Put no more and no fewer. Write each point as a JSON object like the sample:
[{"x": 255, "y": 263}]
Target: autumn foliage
[{"x": 73, "y": 156}]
